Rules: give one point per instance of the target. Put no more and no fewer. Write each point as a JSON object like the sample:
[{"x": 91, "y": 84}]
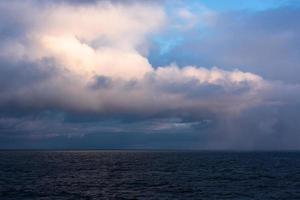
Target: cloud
[
  {"x": 83, "y": 47},
  {"x": 83, "y": 68},
  {"x": 265, "y": 42}
]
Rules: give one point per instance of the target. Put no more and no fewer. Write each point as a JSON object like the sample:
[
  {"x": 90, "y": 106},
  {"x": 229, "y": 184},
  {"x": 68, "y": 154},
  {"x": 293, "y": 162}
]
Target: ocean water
[{"x": 149, "y": 175}]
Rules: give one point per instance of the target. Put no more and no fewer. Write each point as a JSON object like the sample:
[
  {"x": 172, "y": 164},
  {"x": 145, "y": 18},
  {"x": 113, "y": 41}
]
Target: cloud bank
[{"x": 76, "y": 69}]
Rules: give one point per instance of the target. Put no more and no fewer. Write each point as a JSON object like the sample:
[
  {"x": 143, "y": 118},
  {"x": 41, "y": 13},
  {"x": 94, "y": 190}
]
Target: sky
[{"x": 100, "y": 74}]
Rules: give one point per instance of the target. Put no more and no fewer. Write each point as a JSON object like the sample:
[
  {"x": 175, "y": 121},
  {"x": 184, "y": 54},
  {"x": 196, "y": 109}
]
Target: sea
[{"x": 155, "y": 175}]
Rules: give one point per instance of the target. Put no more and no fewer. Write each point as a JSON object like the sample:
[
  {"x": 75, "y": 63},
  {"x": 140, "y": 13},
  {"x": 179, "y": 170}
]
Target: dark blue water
[{"x": 149, "y": 175}]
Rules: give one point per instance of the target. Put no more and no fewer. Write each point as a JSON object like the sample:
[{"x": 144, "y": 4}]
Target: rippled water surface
[{"x": 149, "y": 175}]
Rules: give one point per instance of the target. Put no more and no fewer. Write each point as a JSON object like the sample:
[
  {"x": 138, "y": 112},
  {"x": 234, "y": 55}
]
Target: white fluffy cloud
[{"x": 106, "y": 43}]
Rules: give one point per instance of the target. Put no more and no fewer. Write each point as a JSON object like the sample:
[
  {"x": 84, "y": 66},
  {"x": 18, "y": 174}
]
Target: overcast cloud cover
[{"x": 149, "y": 74}]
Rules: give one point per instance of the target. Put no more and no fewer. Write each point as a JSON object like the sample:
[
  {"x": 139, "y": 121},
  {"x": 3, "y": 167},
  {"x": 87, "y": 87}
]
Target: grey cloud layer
[{"x": 65, "y": 75}]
